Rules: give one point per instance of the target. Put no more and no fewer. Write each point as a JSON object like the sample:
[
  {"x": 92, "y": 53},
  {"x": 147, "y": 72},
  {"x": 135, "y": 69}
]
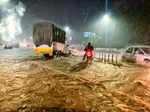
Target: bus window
[
  {"x": 40, "y": 36},
  {"x": 43, "y": 36},
  {"x": 61, "y": 39}
]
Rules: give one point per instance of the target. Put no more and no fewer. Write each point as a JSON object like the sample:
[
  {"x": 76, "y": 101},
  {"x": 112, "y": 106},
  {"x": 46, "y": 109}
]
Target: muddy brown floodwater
[{"x": 30, "y": 83}]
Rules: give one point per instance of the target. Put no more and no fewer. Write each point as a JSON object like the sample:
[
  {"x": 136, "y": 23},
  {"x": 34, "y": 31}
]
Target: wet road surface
[{"x": 31, "y": 83}]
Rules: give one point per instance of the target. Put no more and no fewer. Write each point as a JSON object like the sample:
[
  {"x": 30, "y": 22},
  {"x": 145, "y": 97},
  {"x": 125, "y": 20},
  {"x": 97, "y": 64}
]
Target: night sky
[
  {"x": 73, "y": 12},
  {"x": 80, "y": 14}
]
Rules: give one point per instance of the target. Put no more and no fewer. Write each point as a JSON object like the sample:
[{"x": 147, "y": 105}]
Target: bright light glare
[
  {"x": 94, "y": 34},
  {"x": 10, "y": 25},
  {"x": 2, "y": 2},
  {"x": 9, "y": 28},
  {"x": 106, "y": 18},
  {"x": 67, "y": 28},
  {"x": 20, "y": 9}
]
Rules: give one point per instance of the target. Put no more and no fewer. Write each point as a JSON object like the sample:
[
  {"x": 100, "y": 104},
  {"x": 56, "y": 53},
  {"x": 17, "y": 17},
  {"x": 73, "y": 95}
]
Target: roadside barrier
[{"x": 110, "y": 58}]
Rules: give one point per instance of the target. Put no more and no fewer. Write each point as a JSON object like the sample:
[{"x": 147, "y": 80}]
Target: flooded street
[{"x": 31, "y": 83}]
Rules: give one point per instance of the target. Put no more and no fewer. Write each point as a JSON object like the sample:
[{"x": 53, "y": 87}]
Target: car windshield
[{"x": 146, "y": 50}]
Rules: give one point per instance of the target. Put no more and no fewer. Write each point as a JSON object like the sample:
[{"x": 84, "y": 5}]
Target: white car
[{"x": 138, "y": 53}]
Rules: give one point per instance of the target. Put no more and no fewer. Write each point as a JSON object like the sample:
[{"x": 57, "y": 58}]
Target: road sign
[{"x": 87, "y": 34}]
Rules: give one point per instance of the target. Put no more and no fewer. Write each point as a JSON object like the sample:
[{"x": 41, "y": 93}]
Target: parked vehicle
[
  {"x": 49, "y": 34},
  {"x": 8, "y": 46},
  {"x": 137, "y": 53}
]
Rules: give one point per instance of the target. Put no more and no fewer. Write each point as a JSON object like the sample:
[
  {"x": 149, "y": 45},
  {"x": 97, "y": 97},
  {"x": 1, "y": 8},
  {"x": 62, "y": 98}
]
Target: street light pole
[
  {"x": 105, "y": 36},
  {"x": 106, "y": 17},
  {"x": 106, "y": 5}
]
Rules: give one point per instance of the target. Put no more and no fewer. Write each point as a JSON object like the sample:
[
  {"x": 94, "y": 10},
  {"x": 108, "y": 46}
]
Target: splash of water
[{"x": 10, "y": 25}]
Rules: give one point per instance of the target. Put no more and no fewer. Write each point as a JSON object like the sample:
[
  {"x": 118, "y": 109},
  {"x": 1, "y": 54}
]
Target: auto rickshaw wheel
[{"x": 48, "y": 56}]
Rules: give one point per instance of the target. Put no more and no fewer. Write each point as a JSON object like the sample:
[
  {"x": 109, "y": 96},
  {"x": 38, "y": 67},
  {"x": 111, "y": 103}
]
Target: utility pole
[
  {"x": 106, "y": 31},
  {"x": 106, "y": 5}
]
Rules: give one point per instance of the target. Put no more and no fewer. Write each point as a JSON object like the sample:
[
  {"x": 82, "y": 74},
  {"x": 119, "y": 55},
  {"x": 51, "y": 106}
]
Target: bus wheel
[{"x": 48, "y": 56}]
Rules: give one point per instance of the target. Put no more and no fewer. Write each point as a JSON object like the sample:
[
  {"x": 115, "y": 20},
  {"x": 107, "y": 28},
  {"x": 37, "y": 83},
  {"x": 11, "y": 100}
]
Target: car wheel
[{"x": 146, "y": 62}]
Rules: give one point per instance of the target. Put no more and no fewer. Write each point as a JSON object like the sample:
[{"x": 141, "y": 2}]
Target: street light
[
  {"x": 106, "y": 18},
  {"x": 67, "y": 29}
]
